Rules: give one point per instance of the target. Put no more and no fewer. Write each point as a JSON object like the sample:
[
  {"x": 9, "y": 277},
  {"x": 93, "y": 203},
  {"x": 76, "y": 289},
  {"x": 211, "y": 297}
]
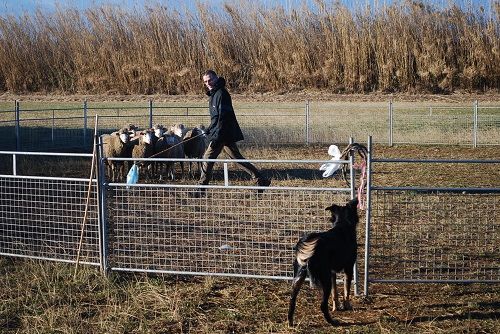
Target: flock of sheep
[{"x": 175, "y": 142}]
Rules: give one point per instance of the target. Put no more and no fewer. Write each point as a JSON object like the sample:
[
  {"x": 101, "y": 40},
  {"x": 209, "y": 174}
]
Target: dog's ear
[
  {"x": 353, "y": 203},
  {"x": 332, "y": 208}
]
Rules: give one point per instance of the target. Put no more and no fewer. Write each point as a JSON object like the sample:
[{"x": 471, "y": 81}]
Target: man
[{"x": 224, "y": 130}]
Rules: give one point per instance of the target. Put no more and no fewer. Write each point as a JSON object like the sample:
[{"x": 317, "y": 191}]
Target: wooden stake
[{"x": 89, "y": 189}]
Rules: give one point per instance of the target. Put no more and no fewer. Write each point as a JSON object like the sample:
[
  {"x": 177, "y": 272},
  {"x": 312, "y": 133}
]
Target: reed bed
[{"x": 408, "y": 46}]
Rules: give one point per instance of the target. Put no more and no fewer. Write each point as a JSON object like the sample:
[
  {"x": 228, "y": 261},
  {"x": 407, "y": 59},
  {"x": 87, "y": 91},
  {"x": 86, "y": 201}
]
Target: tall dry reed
[{"x": 407, "y": 46}]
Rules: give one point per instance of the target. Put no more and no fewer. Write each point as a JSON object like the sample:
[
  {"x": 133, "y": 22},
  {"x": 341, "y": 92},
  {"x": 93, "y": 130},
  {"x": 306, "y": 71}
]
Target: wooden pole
[{"x": 89, "y": 190}]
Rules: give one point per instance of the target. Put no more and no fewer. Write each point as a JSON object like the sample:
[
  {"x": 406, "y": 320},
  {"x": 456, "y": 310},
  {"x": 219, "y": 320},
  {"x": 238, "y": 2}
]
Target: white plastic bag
[
  {"x": 331, "y": 167},
  {"x": 133, "y": 175}
]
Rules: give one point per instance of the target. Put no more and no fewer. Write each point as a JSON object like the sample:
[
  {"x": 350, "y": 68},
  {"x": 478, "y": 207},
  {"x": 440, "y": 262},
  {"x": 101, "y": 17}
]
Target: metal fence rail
[{"x": 71, "y": 128}]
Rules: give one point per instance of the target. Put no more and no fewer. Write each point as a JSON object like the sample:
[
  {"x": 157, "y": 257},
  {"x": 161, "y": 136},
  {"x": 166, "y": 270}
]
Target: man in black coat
[{"x": 224, "y": 130}]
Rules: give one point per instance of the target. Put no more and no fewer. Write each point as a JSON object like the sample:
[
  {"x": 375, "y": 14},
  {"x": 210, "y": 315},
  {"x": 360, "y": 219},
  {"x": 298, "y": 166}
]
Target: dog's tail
[{"x": 305, "y": 248}]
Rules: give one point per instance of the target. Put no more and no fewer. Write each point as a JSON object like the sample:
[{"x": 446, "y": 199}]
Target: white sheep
[
  {"x": 159, "y": 130},
  {"x": 143, "y": 147},
  {"x": 116, "y": 145},
  {"x": 169, "y": 146},
  {"x": 178, "y": 129},
  {"x": 132, "y": 129},
  {"x": 195, "y": 144}
]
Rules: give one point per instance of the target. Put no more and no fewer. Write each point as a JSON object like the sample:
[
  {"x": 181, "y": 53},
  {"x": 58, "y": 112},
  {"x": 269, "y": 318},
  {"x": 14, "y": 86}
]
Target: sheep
[
  {"x": 169, "y": 146},
  {"x": 143, "y": 147},
  {"x": 195, "y": 144},
  {"x": 132, "y": 129},
  {"x": 178, "y": 129},
  {"x": 116, "y": 145},
  {"x": 159, "y": 130}
]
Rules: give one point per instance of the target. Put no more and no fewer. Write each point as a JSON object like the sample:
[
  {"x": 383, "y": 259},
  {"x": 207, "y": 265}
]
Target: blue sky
[{"x": 17, "y": 7}]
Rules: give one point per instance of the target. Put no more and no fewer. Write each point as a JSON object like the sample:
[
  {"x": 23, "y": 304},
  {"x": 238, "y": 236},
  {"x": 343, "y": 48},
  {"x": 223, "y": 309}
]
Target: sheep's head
[
  {"x": 124, "y": 135},
  {"x": 178, "y": 129},
  {"x": 201, "y": 128},
  {"x": 159, "y": 130},
  {"x": 170, "y": 138},
  {"x": 147, "y": 136},
  {"x": 132, "y": 129}
]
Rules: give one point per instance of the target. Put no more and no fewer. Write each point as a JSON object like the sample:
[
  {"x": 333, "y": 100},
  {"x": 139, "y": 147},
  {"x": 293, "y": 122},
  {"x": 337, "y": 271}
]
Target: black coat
[{"x": 224, "y": 127}]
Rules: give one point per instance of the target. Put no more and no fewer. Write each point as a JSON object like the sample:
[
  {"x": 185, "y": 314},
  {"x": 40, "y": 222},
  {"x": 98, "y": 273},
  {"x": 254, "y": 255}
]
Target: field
[
  {"x": 264, "y": 118},
  {"x": 45, "y": 297}
]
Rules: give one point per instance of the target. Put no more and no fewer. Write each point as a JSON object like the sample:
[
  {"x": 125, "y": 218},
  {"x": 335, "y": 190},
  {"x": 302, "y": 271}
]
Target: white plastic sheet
[{"x": 331, "y": 167}]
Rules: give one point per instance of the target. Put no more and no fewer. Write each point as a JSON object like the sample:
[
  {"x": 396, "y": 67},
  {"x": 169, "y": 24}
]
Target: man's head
[{"x": 210, "y": 78}]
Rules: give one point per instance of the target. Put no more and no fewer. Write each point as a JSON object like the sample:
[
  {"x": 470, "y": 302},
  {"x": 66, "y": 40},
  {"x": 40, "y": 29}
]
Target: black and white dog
[{"x": 322, "y": 255}]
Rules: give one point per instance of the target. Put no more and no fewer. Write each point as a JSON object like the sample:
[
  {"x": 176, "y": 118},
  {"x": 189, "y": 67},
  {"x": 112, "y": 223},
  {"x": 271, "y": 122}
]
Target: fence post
[
  {"x": 391, "y": 129},
  {"x": 17, "y": 120},
  {"x": 226, "y": 175},
  {"x": 101, "y": 212},
  {"x": 307, "y": 122},
  {"x": 150, "y": 113},
  {"x": 53, "y": 126},
  {"x": 474, "y": 130},
  {"x": 85, "y": 123},
  {"x": 368, "y": 212},
  {"x": 352, "y": 180},
  {"x": 14, "y": 165}
]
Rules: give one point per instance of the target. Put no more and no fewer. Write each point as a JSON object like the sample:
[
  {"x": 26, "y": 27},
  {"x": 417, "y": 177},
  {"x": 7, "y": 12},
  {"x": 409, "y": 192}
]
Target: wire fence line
[
  {"x": 71, "y": 128},
  {"x": 411, "y": 234},
  {"x": 41, "y": 217},
  {"x": 229, "y": 232},
  {"x": 418, "y": 234},
  {"x": 430, "y": 237}
]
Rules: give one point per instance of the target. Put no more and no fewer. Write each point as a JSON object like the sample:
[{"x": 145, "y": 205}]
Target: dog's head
[{"x": 347, "y": 214}]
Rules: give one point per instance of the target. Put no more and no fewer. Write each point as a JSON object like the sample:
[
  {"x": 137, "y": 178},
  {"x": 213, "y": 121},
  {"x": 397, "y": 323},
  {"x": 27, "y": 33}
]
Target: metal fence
[
  {"x": 432, "y": 234},
  {"x": 71, "y": 128},
  {"x": 233, "y": 230},
  {"x": 425, "y": 236},
  {"x": 230, "y": 231},
  {"x": 412, "y": 234},
  {"x": 41, "y": 217}
]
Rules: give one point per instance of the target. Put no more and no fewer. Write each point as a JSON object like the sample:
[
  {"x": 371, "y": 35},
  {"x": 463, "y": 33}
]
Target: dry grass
[
  {"x": 44, "y": 297},
  {"x": 407, "y": 46}
]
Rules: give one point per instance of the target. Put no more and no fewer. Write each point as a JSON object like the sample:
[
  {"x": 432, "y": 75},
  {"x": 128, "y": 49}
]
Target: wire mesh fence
[
  {"x": 429, "y": 236},
  {"x": 415, "y": 235},
  {"x": 228, "y": 231},
  {"x": 299, "y": 123},
  {"x": 42, "y": 218},
  {"x": 334, "y": 125}
]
